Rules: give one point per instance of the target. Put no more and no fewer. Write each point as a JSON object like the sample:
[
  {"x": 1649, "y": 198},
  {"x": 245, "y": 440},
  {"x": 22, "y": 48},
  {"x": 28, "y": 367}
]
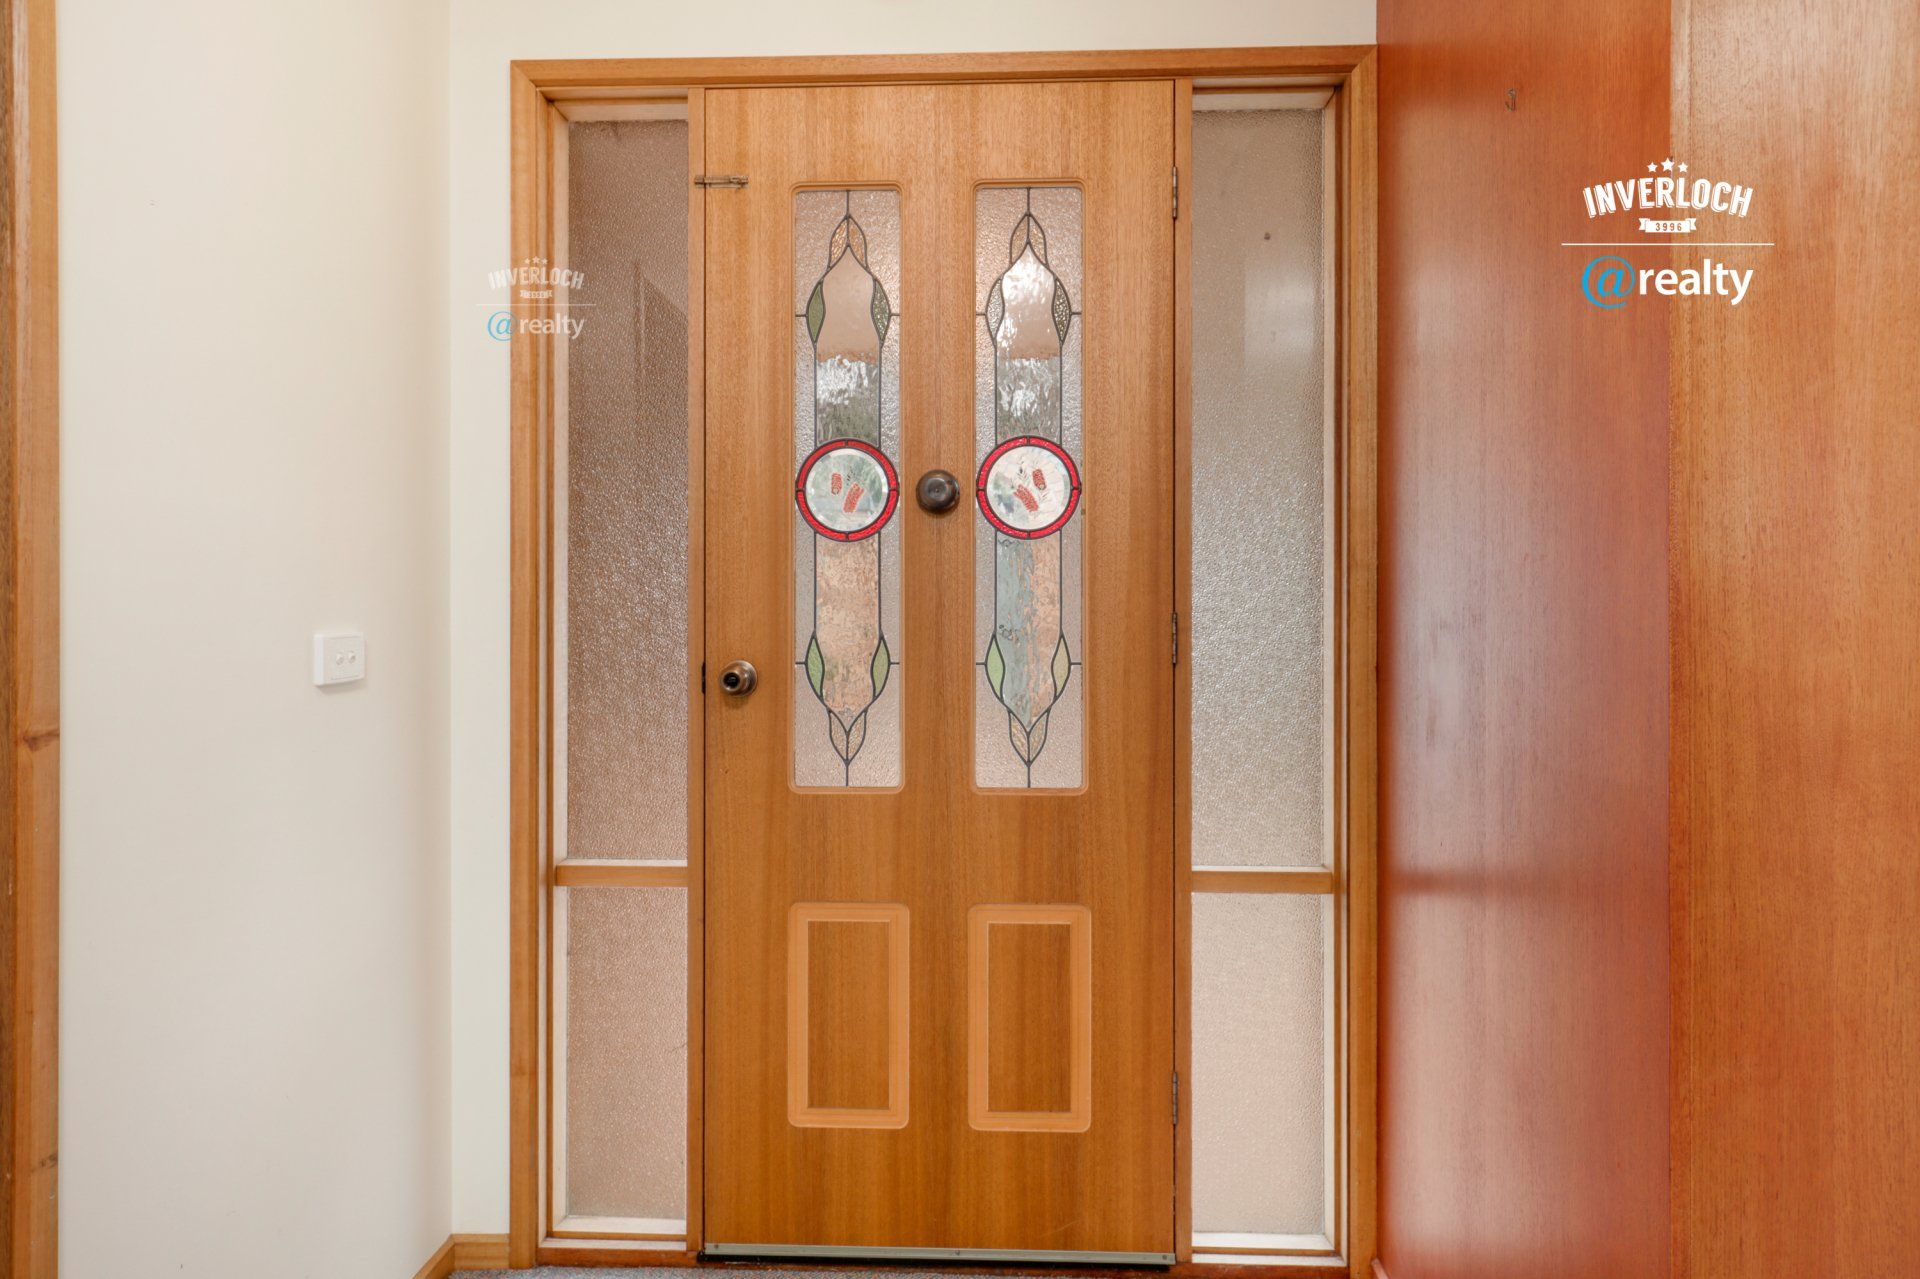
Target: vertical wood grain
[
  {"x": 1356, "y": 623},
  {"x": 527, "y": 699},
  {"x": 1523, "y": 822},
  {"x": 1796, "y": 646},
  {"x": 29, "y": 643},
  {"x": 849, "y": 1020},
  {"x": 696, "y": 659},
  {"x": 1030, "y": 1017}
]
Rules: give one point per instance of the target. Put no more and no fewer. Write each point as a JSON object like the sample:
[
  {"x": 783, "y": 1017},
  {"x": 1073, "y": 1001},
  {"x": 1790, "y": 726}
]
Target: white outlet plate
[{"x": 339, "y": 657}]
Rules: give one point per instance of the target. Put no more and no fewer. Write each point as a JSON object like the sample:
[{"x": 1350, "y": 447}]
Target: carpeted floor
[{"x": 668, "y": 1272}]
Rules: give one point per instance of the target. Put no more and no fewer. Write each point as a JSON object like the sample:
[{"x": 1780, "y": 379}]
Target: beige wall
[
  {"x": 486, "y": 35},
  {"x": 254, "y": 965}
]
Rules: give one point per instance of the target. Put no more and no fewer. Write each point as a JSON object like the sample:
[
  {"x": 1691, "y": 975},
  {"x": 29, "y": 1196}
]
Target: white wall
[
  {"x": 486, "y": 35},
  {"x": 255, "y": 899}
]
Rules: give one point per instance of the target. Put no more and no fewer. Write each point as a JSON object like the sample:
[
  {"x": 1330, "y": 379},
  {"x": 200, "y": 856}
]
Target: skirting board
[{"x": 466, "y": 1252}]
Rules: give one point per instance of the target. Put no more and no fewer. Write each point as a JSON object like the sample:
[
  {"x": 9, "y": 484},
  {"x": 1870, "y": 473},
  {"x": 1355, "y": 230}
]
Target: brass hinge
[
  {"x": 1176, "y": 193},
  {"x": 1176, "y": 639},
  {"x": 719, "y": 179},
  {"x": 1176, "y": 1099}
]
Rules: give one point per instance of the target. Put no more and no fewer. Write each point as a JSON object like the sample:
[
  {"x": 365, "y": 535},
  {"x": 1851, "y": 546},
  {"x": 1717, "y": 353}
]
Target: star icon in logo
[
  {"x": 1652, "y": 167},
  {"x": 1683, "y": 168},
  {"x": 1667, "y": 164}
]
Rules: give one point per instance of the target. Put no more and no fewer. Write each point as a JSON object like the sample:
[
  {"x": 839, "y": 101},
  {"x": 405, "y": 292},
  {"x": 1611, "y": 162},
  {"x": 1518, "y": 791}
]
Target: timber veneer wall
[
  {"x": 1796, "y": 638},
  {"x": 1590, "y": 697},
  {"x": 1523, "y": 659}
]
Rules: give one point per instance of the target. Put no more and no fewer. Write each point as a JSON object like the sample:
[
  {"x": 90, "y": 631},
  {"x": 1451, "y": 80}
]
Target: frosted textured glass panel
[
  {"x": 1260, "y": 1096},
  {"x": 626, "y": 1051},
  {"x": 1027, "y": 546},
  {"x": 1260, "y": 468},
  {"x": 846, "y": 442},
  {"x": 626, "y": 492}
]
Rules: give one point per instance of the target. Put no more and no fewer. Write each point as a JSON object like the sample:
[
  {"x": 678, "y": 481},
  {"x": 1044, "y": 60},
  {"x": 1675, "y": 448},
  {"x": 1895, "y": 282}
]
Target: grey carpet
[{"x": 671, "y": 1272}]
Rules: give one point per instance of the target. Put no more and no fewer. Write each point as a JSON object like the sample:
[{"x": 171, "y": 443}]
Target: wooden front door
[{"x": 939, "y": 950}]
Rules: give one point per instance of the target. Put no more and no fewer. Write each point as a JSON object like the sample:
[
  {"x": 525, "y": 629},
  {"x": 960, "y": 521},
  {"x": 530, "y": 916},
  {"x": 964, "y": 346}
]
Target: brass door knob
[
  {"x": 738, "y": 678},
  {"x": 937, "y": 491}
]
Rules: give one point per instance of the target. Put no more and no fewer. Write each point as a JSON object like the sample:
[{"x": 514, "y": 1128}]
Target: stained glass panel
[
  {"x": 1027, "y": 592},
  {"x": 846, "y": 435}
]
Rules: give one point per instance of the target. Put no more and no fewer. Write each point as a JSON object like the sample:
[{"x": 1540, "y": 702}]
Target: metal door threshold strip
[{"x": 1016, "y": 1256}]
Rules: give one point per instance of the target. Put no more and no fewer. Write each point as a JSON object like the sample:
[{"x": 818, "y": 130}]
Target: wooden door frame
[
  {"x": 29, "y": 645},
  {"x": 543, "y": 95}
]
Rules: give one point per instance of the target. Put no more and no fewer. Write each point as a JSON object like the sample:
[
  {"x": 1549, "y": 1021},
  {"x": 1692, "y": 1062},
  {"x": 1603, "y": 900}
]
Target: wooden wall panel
[
  {"x": 1523, "y": 663},
  {"x": 1796, "y": 616}
]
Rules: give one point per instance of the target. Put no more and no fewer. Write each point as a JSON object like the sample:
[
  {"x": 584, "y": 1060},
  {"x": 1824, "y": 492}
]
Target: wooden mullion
[
  {"x": 606, "y": 874},
  {"x": 1305, "y": 880}
]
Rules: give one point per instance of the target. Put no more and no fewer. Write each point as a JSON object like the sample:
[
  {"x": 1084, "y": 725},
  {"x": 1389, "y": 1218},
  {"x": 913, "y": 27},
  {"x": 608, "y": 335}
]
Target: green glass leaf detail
[
  {"x": 816, "y": 665},
  {"x": 817, "y": 310},
  {"x": 882, "y": 665},
  {"x": 882, "y": 311},
  {"x": 1062, "y": 310},
  {"x": 996, "y": 665},
  {"x": 1062, "y": 667}
]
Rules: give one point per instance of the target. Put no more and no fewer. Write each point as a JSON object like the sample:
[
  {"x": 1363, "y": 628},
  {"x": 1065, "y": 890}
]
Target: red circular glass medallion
[
  {"x": 1028, "y": 487},
  {"x": 846, "y": 490}
]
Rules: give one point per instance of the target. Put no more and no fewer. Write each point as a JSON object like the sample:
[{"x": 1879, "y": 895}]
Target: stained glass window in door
[
  {"x": 1027, "y": 425},
  {"x": 846, "y": 435}
]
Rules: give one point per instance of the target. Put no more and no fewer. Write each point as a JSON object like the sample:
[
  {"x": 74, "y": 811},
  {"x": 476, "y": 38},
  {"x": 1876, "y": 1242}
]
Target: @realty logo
[
  {"x": 1611, "y": 280},
  {"x": 1608, "y": 282}
]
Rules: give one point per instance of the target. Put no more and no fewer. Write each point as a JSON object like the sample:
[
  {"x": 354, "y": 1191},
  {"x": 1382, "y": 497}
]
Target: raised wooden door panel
[{"x": 939, "y": 1004}]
